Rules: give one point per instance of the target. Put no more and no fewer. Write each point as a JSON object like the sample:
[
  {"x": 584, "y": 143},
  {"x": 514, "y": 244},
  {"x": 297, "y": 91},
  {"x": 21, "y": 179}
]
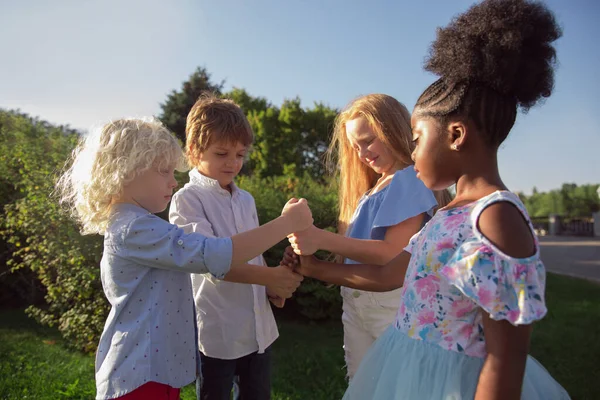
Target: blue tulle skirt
[{"x": 400, "y": 368}]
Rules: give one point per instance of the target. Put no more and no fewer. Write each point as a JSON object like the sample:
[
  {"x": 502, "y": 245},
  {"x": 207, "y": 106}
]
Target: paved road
[{"x": 574, "y": 256}]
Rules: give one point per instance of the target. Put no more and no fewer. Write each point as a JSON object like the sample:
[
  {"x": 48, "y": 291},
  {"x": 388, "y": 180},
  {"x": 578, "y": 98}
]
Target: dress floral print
[{"x": 456, "y": 274}]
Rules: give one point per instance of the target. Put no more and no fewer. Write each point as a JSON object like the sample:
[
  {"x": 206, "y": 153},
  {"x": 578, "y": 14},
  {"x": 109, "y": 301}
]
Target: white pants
[{"x": 365, "y": 316}]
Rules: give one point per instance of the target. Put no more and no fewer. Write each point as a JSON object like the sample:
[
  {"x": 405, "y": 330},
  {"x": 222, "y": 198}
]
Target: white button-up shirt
[{"x": 234, "y": 319}]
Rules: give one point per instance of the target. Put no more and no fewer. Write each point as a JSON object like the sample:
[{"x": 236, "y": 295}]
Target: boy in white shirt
[{"x": 236, "y": 326}]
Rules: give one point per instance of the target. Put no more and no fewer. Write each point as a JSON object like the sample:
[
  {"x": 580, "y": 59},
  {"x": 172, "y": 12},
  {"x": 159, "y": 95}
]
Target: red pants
[{"x": 152, "y": 391}]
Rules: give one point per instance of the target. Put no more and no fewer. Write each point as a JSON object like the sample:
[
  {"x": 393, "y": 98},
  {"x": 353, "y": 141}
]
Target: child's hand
[
  {"x": 301, "y": 264},
  {"x": 290, "y": 258},
  {"x": 275, "y": 300},
  {"x": 298, "y": 214},
  {"x": 285, "y": 281},
  {"x": 305, "y": 242}
]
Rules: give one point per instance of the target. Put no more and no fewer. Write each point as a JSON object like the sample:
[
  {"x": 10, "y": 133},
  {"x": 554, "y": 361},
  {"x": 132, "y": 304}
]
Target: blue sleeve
[
  {"x": 151, "y": 241},
  {"x": 406, "y": 197}
]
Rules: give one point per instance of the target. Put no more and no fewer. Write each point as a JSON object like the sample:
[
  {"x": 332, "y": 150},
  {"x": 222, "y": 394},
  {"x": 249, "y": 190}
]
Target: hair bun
[{"x": 503, "y": 44}]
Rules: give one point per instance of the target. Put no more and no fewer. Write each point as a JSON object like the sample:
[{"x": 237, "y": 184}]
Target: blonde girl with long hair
[{"x": 382, "y": 204}]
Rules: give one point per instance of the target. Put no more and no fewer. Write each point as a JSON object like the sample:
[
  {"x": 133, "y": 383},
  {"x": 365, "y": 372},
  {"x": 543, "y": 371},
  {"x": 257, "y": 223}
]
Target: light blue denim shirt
[
  {"x": 149, "y": 334},
  {"x": 405, "y": 197}
]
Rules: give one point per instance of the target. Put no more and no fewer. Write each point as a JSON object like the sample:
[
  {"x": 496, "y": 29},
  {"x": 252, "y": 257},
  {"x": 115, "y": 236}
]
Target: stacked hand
[
  {"x": 298, "y": 214},
  {"x": 285, "y": 281},
  {"x": 305, "y": 242},
  {"x": 275, "y": 300},
  {"x": 300, "y": 264}
]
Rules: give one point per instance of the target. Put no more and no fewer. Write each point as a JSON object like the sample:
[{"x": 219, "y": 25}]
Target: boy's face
[{"x": 222, "y": 161}]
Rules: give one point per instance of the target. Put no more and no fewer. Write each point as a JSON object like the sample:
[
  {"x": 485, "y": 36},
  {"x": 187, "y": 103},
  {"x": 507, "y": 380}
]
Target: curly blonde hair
[
  {"x": 214, "y": 119},
  {"x": 106, "y": 160}
]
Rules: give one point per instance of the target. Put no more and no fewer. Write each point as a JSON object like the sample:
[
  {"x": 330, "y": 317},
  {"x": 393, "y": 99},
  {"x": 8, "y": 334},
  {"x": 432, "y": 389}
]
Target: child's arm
[
  {"x": 153, "y": 242},
  {"x": 362, "y": 250},
  {"x": 399, "y": 215},
  {"x": 191, "y": 217},
  {"x": 280, "y": 281},
  {"x": 272, "y": 295},
  {"x": 250, "y": 244},
  {"x": 507, "y": 345},
  {"x": 374, "y": 278}
]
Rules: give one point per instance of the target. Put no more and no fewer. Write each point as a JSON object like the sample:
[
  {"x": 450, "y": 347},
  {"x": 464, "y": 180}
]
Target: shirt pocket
[{"x": 389, "y": 300}]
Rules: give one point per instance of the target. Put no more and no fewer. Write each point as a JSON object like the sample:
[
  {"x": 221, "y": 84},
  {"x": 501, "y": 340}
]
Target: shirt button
[
  {"x": 356, "y": 294},
  {"x": 180, "y": 242}
]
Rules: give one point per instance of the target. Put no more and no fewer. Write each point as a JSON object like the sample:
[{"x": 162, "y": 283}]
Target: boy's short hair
[{"x": 214, "y": 119}]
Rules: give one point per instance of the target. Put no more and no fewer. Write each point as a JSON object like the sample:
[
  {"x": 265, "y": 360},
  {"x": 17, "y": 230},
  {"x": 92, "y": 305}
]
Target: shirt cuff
[{"x": 218, "y": 253}]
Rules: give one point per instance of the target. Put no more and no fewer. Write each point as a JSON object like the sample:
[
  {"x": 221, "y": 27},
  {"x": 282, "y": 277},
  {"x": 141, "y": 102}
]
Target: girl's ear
[{"x": 457, "y": 135}]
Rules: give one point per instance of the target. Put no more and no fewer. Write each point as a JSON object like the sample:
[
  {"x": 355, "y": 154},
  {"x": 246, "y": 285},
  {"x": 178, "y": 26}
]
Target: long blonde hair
[
  {"x": 390, "y": 121},
  {"x": 107, "y": 159}
]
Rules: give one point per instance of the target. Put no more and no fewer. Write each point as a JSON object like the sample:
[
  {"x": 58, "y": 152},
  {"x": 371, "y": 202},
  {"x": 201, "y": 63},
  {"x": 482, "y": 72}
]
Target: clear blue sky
[{"x": 81, "y": 62}]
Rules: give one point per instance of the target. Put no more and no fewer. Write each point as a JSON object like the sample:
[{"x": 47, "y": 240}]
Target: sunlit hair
[
  {"x": 108, "y": 158},
  {"x": 390, "y": 121},
  {"x": 213, "y": 119}
]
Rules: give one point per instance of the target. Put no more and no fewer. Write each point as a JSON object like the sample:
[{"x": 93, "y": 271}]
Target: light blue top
[
  {"x": 406, "y": 196},
  {"x": 149, "y": 333}
]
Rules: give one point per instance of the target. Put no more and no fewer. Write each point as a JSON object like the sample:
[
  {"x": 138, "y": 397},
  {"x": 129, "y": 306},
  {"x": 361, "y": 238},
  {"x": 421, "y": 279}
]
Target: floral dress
[{"x": 436, "y": 348}]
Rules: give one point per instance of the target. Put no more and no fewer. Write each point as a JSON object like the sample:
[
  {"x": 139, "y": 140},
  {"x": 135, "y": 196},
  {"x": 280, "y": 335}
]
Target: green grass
[
  {"x": 567, "y": 340},
  {"x": 36, "y": 364},
  {"x": 308, "y": 362},
  {"x": 308, "y": 357}
]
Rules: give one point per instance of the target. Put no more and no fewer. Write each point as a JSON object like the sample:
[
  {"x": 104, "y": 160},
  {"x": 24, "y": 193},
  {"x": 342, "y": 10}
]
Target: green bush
[
  {"x": 314, "y": 299},
  {"x": 41, "y": 238}
]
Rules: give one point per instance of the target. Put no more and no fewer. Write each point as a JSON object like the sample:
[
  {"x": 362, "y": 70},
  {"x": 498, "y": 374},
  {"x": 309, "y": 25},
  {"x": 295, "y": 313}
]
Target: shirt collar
[
  {"x": 212, "y": 184},
  {"x": 119, "y": 208}
]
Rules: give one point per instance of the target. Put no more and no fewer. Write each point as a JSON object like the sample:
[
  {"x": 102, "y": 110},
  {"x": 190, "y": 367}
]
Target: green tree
[
  {"x": 179, "y": 102},
  {"x": 247, "y": 102},
  {"x": 570, "y": 200},
  {"x": 266, "y": 158},
  {"x": 318, "y": 128}
]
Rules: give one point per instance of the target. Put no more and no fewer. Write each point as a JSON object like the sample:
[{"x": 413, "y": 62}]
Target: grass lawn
[
  {"x": 308, "y": 358},
  {"x": 36, "y": 364}
]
